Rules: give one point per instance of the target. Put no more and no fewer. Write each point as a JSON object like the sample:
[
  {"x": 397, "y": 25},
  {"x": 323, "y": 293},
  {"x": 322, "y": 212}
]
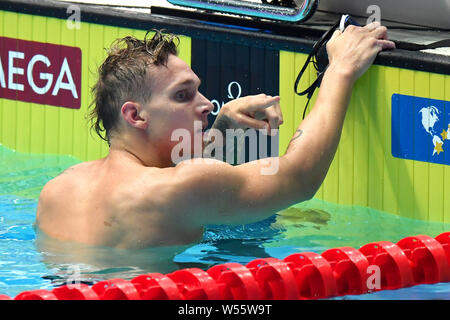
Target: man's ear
[{"x": 132, "y": 114}]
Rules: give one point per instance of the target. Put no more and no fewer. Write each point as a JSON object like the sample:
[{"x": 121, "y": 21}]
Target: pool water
[{"x": 30, "y": 260}]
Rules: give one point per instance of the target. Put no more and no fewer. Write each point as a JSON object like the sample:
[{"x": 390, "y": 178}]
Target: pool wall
[{"x": 373, "y": 167}]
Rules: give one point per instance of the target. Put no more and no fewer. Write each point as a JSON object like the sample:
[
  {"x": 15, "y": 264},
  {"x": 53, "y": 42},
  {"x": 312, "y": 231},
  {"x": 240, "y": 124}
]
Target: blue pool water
[{"x": 30, "y": 261}]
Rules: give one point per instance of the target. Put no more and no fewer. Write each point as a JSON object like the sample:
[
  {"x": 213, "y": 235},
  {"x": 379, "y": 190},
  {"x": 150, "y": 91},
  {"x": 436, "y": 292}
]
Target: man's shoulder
[
  {"x": 65, "y": 180},
  {"x": 200, "y": 165}
]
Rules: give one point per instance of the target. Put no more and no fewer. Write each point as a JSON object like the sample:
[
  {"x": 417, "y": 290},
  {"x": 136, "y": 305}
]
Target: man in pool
[{"x": 137, "y": 196}]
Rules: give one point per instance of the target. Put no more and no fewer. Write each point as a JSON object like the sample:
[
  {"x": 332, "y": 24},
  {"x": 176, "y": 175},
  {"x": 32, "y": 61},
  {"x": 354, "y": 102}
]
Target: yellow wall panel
[
  {"x": 9, "y": 110},
  {"x": 52, "y": 114},
  {"x": 421, "y": 89},
  {"x": 287, "y": 77},
  {"x": 66, "y": 129},
  {"x": 37, "y": 111},
  {"x": 98, "y": 41},
  {"x": 23, "y": 120},
  {"x": 346, "y": 161},
  {"x": 376, "y": 108},
  {"x": 2, "y": 101},
  {"x": 436, "y": 172},
  {"x": 407, "y": 202},
  {"x": 446, "y": 176},
  {"x": 391, "y": 80},
  {"x": 359, "y": 106}
]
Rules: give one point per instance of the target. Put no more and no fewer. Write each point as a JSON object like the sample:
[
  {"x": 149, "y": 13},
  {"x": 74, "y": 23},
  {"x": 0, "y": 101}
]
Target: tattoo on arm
[
  {"x": 222, "y": 125},
  {"x": 297, "y": 135}
]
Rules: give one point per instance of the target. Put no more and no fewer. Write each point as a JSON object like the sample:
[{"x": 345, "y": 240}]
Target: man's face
[{"x": 175, "y": 102}]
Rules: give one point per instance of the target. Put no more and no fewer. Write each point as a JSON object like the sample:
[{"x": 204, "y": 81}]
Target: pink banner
[{"x": 39, "y": 72}]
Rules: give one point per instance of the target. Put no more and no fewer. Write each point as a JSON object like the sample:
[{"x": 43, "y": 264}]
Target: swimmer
[{"x": 137, "y": 196}]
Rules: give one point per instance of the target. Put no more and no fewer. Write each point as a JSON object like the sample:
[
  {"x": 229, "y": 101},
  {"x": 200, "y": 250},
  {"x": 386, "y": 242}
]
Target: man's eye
[{"x": 181, "y": 96}]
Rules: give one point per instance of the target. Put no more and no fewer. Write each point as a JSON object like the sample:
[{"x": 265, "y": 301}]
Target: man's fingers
[
  {"x": 261, "y": 102},
  {"x": 380, "y": 33},
  {"x": 277, "y": 109},
  {"x": 372, "y": 26},
  {"x": 273, "y": 119},
  {"x": 336, "y": 34},
  {"x": 270, "y": 101},
  {"x": 386, "y": 44},
  {"x": 249, "y": 122},
  {"x": 270, "y": 124}
]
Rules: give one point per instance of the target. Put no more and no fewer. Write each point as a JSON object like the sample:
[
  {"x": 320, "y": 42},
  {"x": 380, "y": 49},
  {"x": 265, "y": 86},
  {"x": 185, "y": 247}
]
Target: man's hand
[
  {"x": 258, "y": 111},
  {"x": 353, "y": 51}
]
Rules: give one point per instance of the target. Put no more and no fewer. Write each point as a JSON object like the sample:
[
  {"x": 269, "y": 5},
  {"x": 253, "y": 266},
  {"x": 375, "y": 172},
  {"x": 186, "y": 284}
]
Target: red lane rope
[{"x": 341, "y": 271}]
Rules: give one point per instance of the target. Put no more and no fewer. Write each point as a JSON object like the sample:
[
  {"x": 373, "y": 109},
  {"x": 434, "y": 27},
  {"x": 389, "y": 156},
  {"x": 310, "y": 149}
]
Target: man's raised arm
[
  {"x": 315, "y": 142},
  {"x": 221, "y": 193}
]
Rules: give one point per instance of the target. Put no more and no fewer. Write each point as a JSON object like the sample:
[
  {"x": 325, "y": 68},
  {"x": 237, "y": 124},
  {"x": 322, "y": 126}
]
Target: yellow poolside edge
[{"x": 363, "y": 173}]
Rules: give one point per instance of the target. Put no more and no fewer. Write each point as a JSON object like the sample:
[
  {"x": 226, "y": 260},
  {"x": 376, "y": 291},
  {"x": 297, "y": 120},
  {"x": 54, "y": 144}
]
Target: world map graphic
[{"x": 429, "y": 116}]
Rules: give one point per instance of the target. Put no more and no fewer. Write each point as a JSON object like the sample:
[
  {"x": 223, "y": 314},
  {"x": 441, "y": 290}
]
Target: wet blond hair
[{"x": 124, "y": 76}]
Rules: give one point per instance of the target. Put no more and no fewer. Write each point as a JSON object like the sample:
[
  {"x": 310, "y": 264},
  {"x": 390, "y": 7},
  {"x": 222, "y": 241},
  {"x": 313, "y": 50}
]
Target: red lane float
[
  {"x": 349, "y": 269},
  {"x": 444, "y": 240},
  {"x": 75, "y": 292},
  {"x": 40, "y": 294},
  {"x": 339, "y": 271},
  {"x": 313, "y": 275},
  {"x": 395, "y": 268},
  {"x": 275, "y": 279},
  {"x": 156, "y": 286},
  {"x": 235, "y": 282},
  {"x": 427, "y": 258},
  {"x": 195, "y": 284},
  {"x": 116, "y": 289}
]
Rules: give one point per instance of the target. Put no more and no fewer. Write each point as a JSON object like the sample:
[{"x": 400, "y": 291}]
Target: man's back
[{"x": 114, "y": 202}]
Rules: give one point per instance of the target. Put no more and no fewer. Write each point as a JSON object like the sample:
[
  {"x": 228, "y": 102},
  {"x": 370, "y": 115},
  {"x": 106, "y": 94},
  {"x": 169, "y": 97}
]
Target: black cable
[
  {"x": 319, "y": 59},
  {"x": 317, "y": 51},
  {"x": 306, "y": 107}
]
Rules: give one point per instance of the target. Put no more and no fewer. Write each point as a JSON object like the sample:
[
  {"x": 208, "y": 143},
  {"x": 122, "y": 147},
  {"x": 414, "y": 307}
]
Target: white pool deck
[{"x": 413, "y": 36}]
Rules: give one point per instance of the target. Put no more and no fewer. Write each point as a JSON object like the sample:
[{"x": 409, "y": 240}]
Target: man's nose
[{"x": 206, "y": 106}]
